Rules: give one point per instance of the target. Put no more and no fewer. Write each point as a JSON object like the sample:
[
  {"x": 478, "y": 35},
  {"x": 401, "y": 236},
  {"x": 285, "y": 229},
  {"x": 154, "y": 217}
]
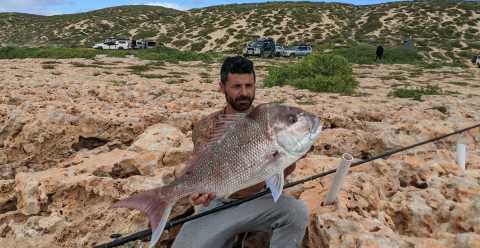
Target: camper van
[{"x": 143, "y": 44}]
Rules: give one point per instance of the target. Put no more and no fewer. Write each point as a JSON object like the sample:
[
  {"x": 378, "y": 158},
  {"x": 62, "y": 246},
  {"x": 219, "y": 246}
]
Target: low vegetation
[
  {"x": 320, "y": 73},
  {"x": 416, "y": 93},
  {"x": 119, "y": 82},
  {"x": 360, "y": 53},
  {"x": 174, "y": 55},
  {"x": 160, "y": 53},
  {"x": 48, "y": 67},
  {"x": 153, "y": 76}
]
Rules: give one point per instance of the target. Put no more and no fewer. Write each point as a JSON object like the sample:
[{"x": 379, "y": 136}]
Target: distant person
[
  {"x": 379, "y": 53},
  {"x": 134, "y": 44}
]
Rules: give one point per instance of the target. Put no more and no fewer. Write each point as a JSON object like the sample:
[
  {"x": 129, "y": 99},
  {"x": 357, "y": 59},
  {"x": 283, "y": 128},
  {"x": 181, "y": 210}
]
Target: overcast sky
[{"x": 55, "y": 7}]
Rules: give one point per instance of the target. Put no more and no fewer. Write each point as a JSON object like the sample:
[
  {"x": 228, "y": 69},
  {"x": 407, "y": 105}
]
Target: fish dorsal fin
[
  {"x": 260, "y": 110},
  {"x": 222, "y": 124}
]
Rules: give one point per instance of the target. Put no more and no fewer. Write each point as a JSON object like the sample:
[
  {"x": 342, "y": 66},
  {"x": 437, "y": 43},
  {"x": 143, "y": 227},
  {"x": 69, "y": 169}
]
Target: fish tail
[{"x": 156, "y": 203}]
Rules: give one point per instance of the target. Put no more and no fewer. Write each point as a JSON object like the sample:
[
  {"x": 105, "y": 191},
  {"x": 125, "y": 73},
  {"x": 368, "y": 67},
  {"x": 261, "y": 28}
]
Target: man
[
  {"x": 286, "y": 219},
  {"x": 379, "y": 53}
]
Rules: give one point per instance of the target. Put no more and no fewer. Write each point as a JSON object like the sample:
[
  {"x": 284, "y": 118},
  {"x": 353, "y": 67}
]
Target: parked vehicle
[
  {"x": 279, "y": 50},
  {"x": 251, "y": 49},
  {"x": 143, "y": 44},
  {"x": 113, "y": 43},
  {"x": 122, "y": 43},
  {"x": 302, "y": 50},
  {"x": 261, "y": 47}
]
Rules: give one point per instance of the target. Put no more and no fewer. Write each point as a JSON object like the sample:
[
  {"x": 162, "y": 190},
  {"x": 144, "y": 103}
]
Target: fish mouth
[{"x": 315, "y": 129}]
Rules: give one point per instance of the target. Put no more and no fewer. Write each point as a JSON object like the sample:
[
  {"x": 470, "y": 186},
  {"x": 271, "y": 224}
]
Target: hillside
[
  {"x": 81, "y": 128},
  {"x": 440, "y": 29}
]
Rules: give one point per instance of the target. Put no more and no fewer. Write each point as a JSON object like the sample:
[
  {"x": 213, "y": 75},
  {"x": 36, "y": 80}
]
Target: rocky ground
[{"x": 76, "y": 135}]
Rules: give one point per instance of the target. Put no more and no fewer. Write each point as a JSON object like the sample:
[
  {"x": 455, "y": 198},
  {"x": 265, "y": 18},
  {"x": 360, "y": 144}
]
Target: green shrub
[
  {"x": 162, "y": 39},
  {"x": 474, "y": 45},
  {"x": 198, "y": 46},
  {"x": 142, "y": 34},
  {"x": 119, "y": 82},
  {"x": 48, "y": 67},
  {"x": 138, "y": 69},
  {"x": 116, "y": 53},
  {"x": 416, "y": 93},
  {"x": 180, "y": 43},
  {"x": 321, "y": 73},
  {"x": 151, "y": 76}
]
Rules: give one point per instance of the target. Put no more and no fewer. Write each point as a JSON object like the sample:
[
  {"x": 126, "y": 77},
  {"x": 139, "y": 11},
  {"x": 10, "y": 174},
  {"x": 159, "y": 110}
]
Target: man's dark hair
[{"x": 236, "y": 64}]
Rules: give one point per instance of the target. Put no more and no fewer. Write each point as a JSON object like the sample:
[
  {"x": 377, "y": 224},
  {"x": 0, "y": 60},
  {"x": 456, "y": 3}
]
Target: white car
[
  {"x": 297, "y": 51},
  {"x": 113, "y": 44}
]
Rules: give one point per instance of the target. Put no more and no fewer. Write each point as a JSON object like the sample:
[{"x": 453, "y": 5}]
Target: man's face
[{"x": 239, "y": 90}]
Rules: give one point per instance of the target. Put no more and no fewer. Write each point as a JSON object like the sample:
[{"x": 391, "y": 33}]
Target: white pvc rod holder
[
  {"x": 342, "y": 171},
  {"x": 461, "y": 154}
]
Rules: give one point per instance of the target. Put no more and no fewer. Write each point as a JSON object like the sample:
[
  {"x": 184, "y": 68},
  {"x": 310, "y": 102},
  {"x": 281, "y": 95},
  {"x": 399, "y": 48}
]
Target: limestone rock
[
  {"x": 335, "y": 142},
  {"x": 73, "y": 143},
  {"x": 7, "y": 196},
  {"x": 168, "y": 141}
]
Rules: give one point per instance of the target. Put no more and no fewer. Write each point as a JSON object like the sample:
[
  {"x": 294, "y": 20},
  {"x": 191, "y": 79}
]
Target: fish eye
[{"x": 292, "y": 119}]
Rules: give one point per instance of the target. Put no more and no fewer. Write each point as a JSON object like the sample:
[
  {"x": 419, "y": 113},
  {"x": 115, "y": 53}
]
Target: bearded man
[{"x": 286, "y": 220}]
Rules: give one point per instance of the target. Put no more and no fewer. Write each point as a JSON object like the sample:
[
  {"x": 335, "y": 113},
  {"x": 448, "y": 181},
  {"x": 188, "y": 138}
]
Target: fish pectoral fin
[{"x": 275, "y": 184}]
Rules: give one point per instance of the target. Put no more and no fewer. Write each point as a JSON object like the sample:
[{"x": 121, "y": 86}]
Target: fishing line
[{"x": 174, "y": 222}]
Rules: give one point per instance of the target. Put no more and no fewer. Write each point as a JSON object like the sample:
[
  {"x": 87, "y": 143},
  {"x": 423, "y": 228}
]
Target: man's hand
[
  {"x": 204, "y": 199},
  {"x": 248, "y": 191},
  {"x": 260, "y": 186}
]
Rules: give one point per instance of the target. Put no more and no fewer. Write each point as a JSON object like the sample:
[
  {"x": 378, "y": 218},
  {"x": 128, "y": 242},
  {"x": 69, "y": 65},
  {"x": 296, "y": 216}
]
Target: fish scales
[
  {"x": 231, "y": 162},
  {"x": 254, "y": 148}
]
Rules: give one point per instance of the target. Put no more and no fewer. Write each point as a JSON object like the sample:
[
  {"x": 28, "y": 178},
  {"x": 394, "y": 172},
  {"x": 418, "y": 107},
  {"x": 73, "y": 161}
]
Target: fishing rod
[{"x": 175, "y": 222}]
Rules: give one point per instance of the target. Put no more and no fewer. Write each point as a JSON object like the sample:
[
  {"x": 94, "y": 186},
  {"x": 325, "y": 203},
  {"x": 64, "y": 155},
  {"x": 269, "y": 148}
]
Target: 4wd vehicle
[
  {"x": 302, "y": 50},
  {"x": 261, "y": 47}
]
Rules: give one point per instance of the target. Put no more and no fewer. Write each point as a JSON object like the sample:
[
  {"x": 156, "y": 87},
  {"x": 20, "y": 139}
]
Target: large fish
[{"x": 244, "y": 150}]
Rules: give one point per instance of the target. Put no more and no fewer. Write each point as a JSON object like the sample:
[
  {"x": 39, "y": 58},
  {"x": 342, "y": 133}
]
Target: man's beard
[{"x": 241, "y": 103}]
